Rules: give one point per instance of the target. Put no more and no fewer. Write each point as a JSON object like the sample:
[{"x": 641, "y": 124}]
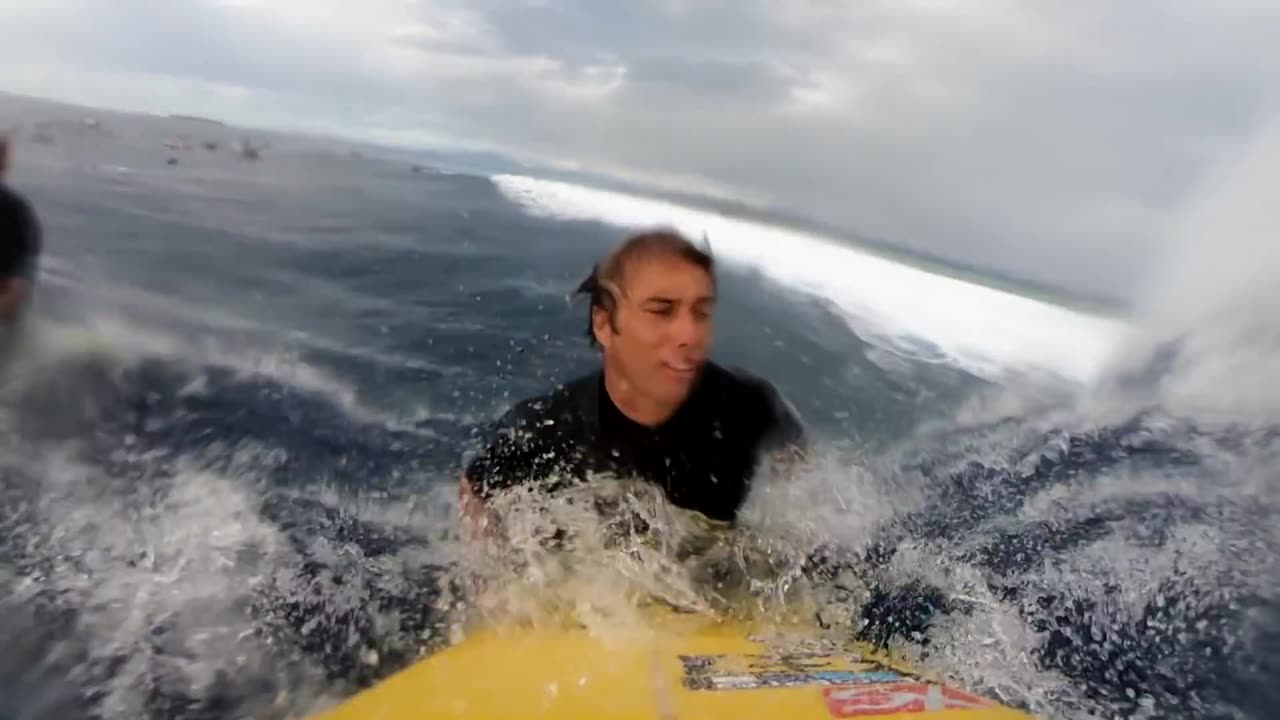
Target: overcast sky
[{"x": 1054, "y": 140}]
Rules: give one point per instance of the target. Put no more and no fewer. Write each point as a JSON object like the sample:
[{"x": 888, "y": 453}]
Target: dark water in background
[{"x": 226, "y": 477}]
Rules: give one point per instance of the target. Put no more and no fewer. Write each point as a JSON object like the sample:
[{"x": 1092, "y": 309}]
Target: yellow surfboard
[{"x": 674, "y": 665}]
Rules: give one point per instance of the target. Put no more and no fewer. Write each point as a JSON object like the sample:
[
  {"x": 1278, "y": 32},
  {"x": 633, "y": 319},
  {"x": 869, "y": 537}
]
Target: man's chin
[{"x": 678, "y": 387}]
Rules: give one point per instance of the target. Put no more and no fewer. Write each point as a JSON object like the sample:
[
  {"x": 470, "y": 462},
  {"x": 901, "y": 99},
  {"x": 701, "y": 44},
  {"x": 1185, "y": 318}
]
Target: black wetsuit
[
  {"x": 19, "y": 249},
  {"x": 703, "y": 457},
  {"x": 19, "y": 236}
]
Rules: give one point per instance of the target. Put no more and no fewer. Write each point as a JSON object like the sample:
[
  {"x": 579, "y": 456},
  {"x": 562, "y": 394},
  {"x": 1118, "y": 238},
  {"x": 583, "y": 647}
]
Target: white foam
[{"x": 987, "y": 331}]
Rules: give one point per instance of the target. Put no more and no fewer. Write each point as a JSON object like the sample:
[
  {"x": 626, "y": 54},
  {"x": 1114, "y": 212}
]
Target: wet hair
[{"x": 604, "y": 283}]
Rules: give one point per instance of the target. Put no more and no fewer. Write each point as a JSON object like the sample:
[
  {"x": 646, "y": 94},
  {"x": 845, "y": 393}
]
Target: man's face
[{"x": 663, "y": 326}]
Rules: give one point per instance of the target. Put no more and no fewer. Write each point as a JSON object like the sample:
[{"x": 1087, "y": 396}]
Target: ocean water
[{"x": 230, "y": 449}]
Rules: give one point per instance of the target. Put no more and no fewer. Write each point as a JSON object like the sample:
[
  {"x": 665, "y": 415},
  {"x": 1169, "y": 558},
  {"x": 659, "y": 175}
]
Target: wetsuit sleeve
[
  {"x": 786, "y": 430},
  {"x": 779, "y": 424},
  {"x": 510, "y": 457}
]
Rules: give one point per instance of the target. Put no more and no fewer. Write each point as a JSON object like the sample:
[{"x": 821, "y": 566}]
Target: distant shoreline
[{"x": 198, "y": 119}]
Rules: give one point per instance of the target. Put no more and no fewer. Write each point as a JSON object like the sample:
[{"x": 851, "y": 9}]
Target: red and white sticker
[{"x": 890, "y": 698}]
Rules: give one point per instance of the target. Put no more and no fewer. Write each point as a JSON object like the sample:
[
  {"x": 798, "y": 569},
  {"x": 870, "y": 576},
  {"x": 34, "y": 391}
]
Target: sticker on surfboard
[
  {"x": 781, "y": 670},
  {"x": 897, "y": 698}
]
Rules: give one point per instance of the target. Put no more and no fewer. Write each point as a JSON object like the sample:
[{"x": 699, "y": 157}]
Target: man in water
[
  {"x": 657, "y": 410},
  {"x": 19, "y": 248}
]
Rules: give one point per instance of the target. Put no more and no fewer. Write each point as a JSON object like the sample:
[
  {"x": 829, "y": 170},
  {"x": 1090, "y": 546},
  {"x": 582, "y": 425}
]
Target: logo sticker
[
  {"x": 746, "y": 672},
  {"x": 898, "y": 697}
]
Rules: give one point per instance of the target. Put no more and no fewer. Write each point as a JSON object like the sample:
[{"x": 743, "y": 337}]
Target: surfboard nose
[{"x": 672, "y": 667}]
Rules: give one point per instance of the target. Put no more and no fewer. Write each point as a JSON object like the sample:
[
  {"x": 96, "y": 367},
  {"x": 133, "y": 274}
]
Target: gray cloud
[{"x": 1052, "y": 141}]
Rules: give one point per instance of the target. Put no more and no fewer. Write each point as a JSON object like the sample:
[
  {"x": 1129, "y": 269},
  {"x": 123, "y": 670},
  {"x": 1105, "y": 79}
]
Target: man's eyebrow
[{"x": 663, "y": 300}]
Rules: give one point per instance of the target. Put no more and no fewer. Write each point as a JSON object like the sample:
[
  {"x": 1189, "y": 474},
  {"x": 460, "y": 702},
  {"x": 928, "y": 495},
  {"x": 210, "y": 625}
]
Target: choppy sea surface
[{"x": 230, "y": 446}]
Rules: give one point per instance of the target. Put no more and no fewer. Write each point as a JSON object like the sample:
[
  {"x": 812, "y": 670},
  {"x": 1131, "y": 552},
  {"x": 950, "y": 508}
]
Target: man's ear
[{"x": 602, "y": 326}]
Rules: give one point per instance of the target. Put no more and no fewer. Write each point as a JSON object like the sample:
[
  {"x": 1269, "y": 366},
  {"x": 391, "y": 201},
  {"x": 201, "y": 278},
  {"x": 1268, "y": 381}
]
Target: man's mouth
[{"x": 684, "y": 369}]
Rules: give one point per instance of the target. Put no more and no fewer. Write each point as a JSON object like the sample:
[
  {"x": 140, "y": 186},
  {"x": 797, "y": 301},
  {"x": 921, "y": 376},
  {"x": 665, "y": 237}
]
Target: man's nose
[{"x": 687, "y": 330}]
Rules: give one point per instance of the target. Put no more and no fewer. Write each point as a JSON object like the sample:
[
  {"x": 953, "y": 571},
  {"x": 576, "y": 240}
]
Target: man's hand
[
  {"x": 477, "y": 520},
  {"x": 787, "y": 461}
]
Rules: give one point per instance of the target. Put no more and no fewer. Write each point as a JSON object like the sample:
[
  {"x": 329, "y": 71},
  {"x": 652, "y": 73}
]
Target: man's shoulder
[
  {"x": 13, "y": 201},
  {"x": 18, "y": 212},
  {"x": 560, "y": 404},
  {"x": 19, "y": 235},
  {"x": 756, "y": 397},
  {"x": 739, "y": 382},
  {"x": 531, "y": 432}
]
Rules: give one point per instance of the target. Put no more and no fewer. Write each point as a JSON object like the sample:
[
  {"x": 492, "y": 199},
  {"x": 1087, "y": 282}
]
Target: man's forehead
[{"x": 665, "y": 274}]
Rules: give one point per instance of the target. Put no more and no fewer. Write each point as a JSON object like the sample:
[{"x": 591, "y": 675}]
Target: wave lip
[{"x": 986, "y": 331}]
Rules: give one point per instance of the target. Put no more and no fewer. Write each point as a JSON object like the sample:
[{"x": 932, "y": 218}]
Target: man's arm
[
  {"x": 787, "y": 441},
  {"x": 504, "y": 462},
  {"x": 478, "y": 519}
]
